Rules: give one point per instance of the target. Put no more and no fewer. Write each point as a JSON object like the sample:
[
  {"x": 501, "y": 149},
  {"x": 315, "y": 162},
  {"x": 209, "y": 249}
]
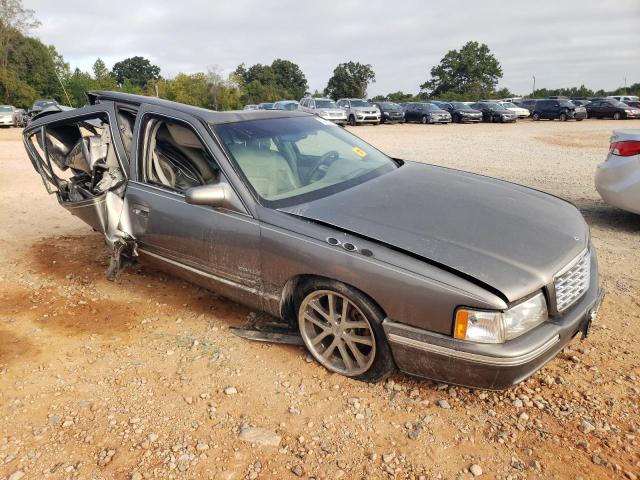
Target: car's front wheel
[
  {"x": 617, "y": 116},
  {"x": 352, "y": 120},
  {"x": 342, "y": 329},
  {"x": 535, "y": 116},
  {"x": 423, "y": 119},
  {"x": 563, "y": 117}
]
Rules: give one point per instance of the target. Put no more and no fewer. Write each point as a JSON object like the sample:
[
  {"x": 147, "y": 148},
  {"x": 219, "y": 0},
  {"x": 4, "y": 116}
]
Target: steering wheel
[{"x": 323, "y": 164}]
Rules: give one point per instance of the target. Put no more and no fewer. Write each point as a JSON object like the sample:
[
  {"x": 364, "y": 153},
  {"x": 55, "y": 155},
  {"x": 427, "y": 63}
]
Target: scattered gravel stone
[
  {"x": 297, "y": 471},
  {"x": 476, "y": 470},
  {"x": 260, "y": 436},
  {"x": 517, "y": 403},
  {"x": 388, "y": 457},
  {"x": 586, "y": 427},
  {"x": 17, "y": 475},
  {"x": 230, "y": 391},
  {"x": 443, "y": 404}
]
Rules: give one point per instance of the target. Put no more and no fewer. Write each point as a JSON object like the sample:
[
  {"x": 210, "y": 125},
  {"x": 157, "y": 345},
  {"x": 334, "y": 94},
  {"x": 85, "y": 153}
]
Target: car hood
[
  {"x": 330, "y": 110},
  {"x": 364, "y": 109},
  {"x": 438, "y": 111},
  {"x": 506, "y": 236}
]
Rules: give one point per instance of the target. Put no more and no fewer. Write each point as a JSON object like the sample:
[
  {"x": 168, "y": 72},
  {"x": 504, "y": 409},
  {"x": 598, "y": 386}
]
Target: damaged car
[{"x": 374, "y": 263}]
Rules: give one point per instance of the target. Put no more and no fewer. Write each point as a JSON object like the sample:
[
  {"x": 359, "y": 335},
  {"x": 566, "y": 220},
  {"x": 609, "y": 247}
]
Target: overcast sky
[{"x": 561, "y": 42}]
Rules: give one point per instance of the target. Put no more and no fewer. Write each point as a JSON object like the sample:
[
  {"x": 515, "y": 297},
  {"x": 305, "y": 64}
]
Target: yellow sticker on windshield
[{"x": 358, "y": 151}]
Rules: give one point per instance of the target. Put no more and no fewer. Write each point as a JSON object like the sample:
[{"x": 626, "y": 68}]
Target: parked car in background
[
  {"x": 424, "y": 112},
  {"x": 625, "y": 98},
  {"x": 580, "y": 102},
  {"x": 528, "y": 103},
  {"x": 8, "y": 116},
  {"x": 618, "y": 178},
  {"x": 560, "y": 109},
  {"x": 40, "y": 105},
  {"x": 265, "y": 106},
  {"x": 520, "y": 112},
  {"x": 390, "y": 112},
  {"x": 21, "y": 117},
  {"x": 324, "y": 108},
  {"x": 286, "y": 105},
  {"x": 376, "y": 263},
  {"x": 359, "y": 110},
  {"x": 633, "y": 103},
  {"x": 611, "y": 108},
  {"x": 494, "y": 112},
  {"x": 251, "y": 106},
  {"x": 461, "y": 112}
]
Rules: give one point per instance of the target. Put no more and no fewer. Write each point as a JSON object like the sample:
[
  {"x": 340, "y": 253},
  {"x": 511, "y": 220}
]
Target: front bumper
[
  {"x": 439, "y": 119},
  {"x": 470, "y": 118},
  {"x": 338, "y": 120},
  {"x": 618, "y": 182},
  {"x": 7, "y": 121},
  {"x": 367, "y": 118},
  {"x": 491, "y": 366}
]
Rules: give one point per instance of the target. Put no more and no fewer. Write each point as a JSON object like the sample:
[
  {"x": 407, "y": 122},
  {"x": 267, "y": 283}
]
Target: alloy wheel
[
  {"x": 337, "y": 333},
  {"x": 616, "y": 116},
  {"x": 423, "y": 120}
]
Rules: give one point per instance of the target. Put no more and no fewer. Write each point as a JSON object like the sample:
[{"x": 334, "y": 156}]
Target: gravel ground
[{"x": 140, "y": 378}]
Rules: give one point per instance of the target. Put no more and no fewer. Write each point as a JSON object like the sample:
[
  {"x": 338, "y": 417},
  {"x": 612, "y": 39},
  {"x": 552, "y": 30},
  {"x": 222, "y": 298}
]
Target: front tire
[
  {"x": 563, "y": 117},
  {"x": 617, "y": 116},
  {"x": 342, "y": 329},
  {"x": 535, "y": 116},
  {"x": 352, "y": 120},
  {"x": 423, "y": 119}
]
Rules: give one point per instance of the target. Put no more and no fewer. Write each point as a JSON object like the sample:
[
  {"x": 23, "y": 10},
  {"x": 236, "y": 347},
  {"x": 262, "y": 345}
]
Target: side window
[
  {"x": 312, "y": 104},
  {"x": 174, "y": 157}
]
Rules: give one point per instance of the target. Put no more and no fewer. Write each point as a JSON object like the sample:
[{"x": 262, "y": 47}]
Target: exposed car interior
[
  {"x": 81, "y": 162},
  {"x": 175, "y": 157}
]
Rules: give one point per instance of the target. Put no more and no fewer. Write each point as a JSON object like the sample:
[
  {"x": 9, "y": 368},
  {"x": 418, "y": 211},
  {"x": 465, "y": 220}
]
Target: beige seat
[{"x": 266, "y": 170}]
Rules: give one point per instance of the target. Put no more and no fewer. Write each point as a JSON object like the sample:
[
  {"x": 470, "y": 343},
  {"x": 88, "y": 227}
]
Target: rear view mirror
[{"x": 219, "y": 195}]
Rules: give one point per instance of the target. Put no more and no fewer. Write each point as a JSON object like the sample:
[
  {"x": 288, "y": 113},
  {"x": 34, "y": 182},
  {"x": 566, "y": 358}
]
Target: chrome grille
[{"x": 573, "y": 281}]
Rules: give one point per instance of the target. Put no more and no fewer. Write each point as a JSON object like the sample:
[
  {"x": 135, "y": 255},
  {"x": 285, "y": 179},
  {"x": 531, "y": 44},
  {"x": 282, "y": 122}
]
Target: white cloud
[{"x": 564, "y": 43}]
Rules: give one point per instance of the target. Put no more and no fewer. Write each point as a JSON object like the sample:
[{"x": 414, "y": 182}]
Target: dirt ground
[{"x": 140, "y": 378}]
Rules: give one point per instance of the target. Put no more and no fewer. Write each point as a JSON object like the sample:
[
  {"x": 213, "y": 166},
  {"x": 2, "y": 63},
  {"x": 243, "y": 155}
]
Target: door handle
[{"x": 141, "y": 210}]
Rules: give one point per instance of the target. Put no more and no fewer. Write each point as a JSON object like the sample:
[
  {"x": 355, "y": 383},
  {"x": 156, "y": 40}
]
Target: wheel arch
[{"x": 290, "y": 295}]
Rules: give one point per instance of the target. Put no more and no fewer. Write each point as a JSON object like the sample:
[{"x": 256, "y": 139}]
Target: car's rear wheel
[
  {"x": 342, "y": 329},
  {"x": 535, "y": 116},
  {"x": 617, "y": 116},
  {"x": 563, "y": 117}
]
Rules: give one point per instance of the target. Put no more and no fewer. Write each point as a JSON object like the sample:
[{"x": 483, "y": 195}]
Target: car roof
[{"x": 209, "y": 116}]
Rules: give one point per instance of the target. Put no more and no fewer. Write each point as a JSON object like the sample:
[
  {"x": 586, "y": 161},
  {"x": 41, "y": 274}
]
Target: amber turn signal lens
[{"x": 460, "y": 328}]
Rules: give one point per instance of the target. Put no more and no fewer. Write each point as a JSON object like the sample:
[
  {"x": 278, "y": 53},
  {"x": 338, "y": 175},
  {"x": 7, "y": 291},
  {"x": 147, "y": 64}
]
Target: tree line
[{"x": 29, "y": 70}]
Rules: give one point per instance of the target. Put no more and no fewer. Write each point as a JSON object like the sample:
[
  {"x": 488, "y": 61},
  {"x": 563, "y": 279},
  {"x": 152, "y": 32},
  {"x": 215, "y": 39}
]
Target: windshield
[
  {"x": 4, "y": 108},
  {"x": 360, "y": 103},
  {"x": 325, "y": 104},
  {"x": 494, "y": 106},
  {"x": 566, "y": 103},
  {"x": 509, "y": 105},
  {"x": 288, "y": 161},
  {"x": 286, "y": 106},
  {"x": 431, "y": 106},
  {"x": 44, "y": 103},
  {"x": 461, "y": 106},
  {"x": 389, "y": 106},
  {"x": 266, "y": 106}
]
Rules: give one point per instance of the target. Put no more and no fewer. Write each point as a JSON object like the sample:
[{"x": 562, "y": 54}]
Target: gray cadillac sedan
[{"x": 379, "y": 263}]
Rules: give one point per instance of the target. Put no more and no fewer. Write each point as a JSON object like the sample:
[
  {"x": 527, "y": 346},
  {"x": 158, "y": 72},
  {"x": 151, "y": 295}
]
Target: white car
[
  {"x": 618, "y": 178},
  {"x": 324, "y": 108},
  {"x": 519, "y": 111}
]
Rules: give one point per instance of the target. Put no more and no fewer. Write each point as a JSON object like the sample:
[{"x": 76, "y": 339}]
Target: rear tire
[{"x": 356, "y": 347}]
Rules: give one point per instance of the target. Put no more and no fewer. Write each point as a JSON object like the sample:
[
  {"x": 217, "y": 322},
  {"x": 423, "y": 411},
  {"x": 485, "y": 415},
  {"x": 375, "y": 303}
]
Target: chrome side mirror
[{"x": 219, "y": 195}]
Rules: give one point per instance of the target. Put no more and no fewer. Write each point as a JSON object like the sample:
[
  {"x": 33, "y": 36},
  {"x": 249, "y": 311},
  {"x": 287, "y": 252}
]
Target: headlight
[
  {"x": 323, "y": 113},
  {"x": 498, "y": 327},
  {"x": 386, "y": 114}
]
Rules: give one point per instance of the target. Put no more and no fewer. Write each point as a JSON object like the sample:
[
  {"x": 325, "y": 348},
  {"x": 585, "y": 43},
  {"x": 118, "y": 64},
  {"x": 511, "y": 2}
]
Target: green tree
[
  {"x": 350, "y": 79},
  {"x": 15, "y": 20},
  {"x": 290, "y": 78},
  {"x": 137, "y": 70},
  {"x": 472, "y": 72}
]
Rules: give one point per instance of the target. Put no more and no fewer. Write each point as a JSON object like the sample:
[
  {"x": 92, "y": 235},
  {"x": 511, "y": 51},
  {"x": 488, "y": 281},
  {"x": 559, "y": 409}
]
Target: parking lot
[{"x": 142, "y": 379}]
